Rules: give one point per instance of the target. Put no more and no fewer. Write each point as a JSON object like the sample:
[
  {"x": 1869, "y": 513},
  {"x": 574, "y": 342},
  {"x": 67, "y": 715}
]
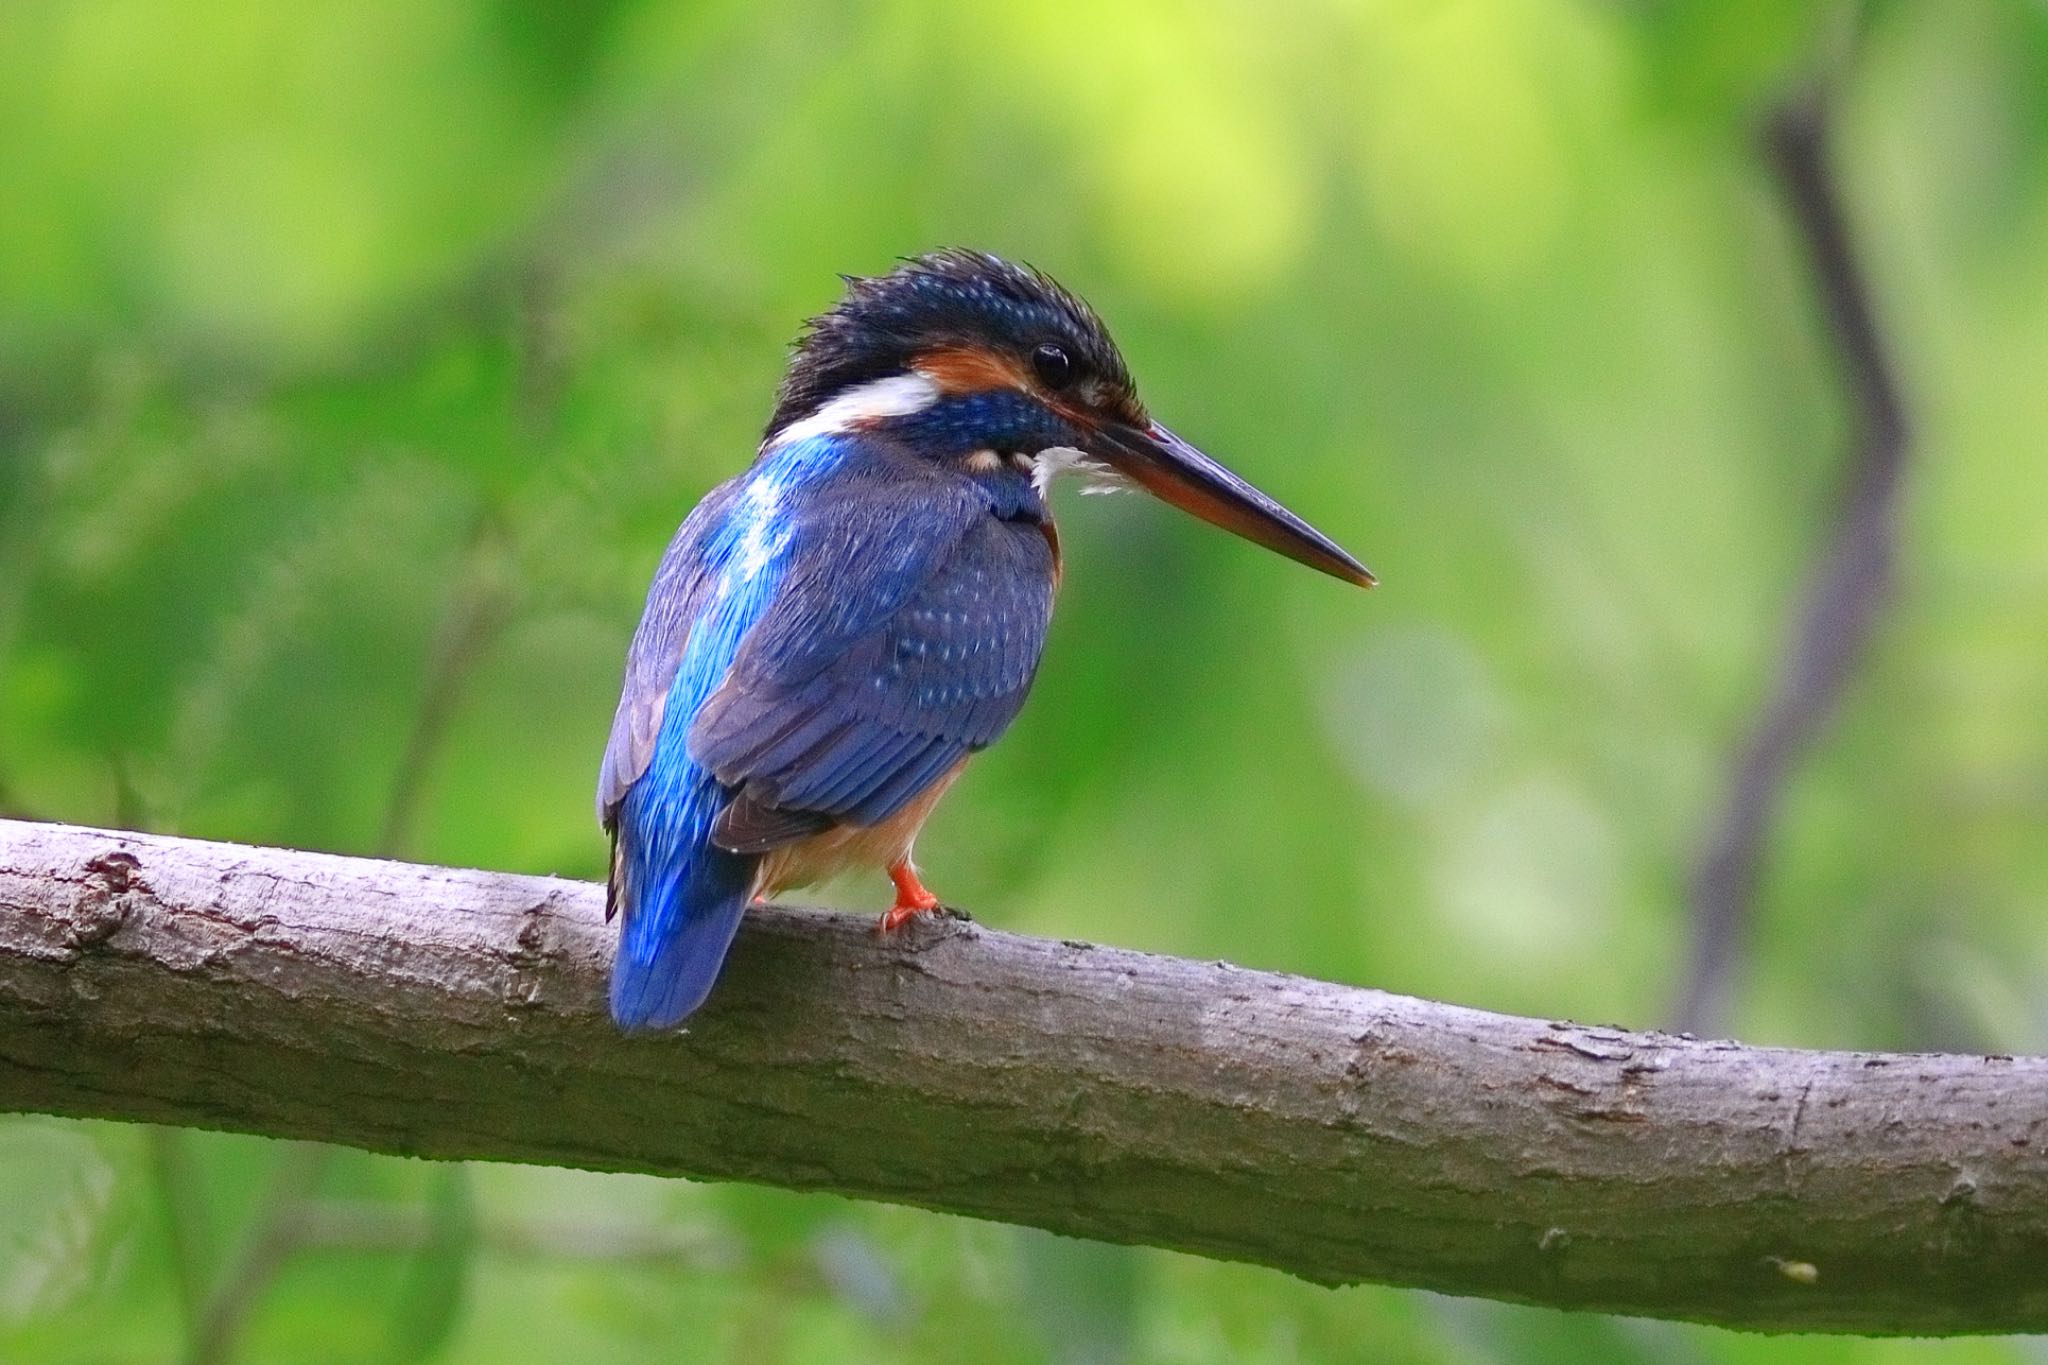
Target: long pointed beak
[{"x": 1176, "y": 472}]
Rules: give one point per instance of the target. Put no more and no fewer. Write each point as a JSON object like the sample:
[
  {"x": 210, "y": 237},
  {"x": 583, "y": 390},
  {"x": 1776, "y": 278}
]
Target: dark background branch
[
  {"x": 1845, "y": 590},
  {"x": 1335, "y": 1133},
  {"x": 479, "y": 608},
  {"x": 267, "y": 1244}
]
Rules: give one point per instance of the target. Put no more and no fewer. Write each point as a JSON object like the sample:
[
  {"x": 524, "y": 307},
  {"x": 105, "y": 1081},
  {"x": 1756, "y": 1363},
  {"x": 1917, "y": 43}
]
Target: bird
[{"x": 835, "y": 631}]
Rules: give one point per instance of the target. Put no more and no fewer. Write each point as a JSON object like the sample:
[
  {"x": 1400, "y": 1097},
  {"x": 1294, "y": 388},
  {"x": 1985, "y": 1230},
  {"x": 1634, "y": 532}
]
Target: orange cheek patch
[{"x": 965, "y": 369}]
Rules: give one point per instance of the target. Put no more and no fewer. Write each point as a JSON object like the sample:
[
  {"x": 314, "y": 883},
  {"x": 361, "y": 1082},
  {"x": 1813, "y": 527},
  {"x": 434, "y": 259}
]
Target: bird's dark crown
[{"x": 956, "y": 303}]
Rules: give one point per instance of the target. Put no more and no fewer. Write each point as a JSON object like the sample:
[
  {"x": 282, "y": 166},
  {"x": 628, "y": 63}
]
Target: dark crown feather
[{"x": 950, "y": 297}]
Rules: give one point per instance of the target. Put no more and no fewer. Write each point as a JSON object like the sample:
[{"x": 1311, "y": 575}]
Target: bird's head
[{"x": 965, "y": 357}]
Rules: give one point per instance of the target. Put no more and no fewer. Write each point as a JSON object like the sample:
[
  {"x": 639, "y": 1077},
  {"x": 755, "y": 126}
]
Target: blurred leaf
[
  {"x": 56, "y": 1190},
  {"x": 1083, "y": 1297},
  {"x": 859, "y": 1273}
]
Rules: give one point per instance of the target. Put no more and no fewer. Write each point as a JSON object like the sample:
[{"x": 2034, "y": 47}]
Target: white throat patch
[
  {"x": 897, "y": 396},
  {"x": 1096, "y": 477}
]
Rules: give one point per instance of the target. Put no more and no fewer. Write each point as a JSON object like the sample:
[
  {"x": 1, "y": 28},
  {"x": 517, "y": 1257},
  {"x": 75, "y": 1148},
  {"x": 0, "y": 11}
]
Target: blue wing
[
  {"x": 681, "y": 898},
  {"x": 907, "y": 640},
  {"x": 826, "y": 636},
  {"x": 674, "y": 601}
]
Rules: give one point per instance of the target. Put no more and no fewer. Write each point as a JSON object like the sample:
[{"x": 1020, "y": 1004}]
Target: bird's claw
[
  {"x": 900, "y": 916},
  {"x": 912, "y": 899},
  {"x": 897, "y": 916}
]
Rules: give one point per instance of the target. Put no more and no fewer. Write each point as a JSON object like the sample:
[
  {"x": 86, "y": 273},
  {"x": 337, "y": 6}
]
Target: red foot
[{"x": 912, "y": 899}]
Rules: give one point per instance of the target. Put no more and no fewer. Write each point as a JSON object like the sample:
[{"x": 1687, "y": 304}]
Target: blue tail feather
[
  {"x": 683, "y": 898},
  {"x": 659, "y": 983},
  {"x": 682, "y": 895}
]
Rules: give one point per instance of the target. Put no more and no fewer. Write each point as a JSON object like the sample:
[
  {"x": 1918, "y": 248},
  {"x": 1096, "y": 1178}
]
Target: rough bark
[{"x": 1336, "y": 1133}]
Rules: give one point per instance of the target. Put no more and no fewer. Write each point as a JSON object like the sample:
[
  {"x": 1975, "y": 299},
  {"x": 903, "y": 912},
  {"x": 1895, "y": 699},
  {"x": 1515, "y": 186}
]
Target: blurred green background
[{"x": 357, "y": 358}]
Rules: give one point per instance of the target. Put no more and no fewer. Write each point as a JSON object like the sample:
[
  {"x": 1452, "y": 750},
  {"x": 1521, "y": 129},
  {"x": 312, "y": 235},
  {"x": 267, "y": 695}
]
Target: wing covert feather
[
  {"x": 674, "y": 601},
  {"x": 874, "y": 674}
]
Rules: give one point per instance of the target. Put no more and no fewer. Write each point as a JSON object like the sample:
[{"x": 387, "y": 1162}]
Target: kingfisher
[{"x": 834, "y": 632}]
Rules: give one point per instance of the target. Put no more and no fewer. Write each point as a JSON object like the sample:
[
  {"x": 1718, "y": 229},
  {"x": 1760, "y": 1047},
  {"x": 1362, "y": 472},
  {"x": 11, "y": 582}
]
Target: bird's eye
[{"x": 1054, "y": 368}]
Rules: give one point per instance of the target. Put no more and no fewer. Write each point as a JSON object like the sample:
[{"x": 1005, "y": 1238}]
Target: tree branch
[{"x": 1336, "y": 1133}]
